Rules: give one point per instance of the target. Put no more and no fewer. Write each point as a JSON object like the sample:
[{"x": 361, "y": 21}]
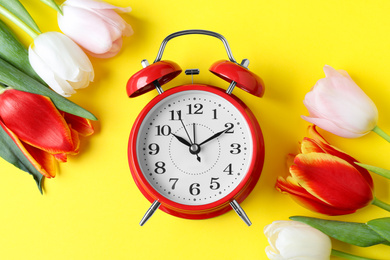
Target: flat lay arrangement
[{"x": 240, "y": 139}]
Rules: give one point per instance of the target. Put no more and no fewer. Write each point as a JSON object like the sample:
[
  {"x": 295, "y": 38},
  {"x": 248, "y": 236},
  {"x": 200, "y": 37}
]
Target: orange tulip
[
  {"x": 327, "y": 180},
  {"x": 41, "y": 132}
]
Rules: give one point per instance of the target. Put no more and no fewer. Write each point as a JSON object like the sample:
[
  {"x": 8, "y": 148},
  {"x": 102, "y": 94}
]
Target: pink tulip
[
  {"x": 95, "y": 26},
  {"x": 337, "y": 105}
]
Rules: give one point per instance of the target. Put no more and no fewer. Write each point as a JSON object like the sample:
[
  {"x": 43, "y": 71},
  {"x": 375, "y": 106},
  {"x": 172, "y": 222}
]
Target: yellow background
[{"x": 91, "y": 210}]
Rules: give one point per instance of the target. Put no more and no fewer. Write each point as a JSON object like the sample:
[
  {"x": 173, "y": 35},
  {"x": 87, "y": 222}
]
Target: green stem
[
  {"x": 348, "y": 256},
  {"x": 381, "y": 133},
  {"x": 53, "y": 4},
  {"x": 13, "y": 18},
  {"x": 380, "y": 171},
  {"x": 381, "y": 204}
]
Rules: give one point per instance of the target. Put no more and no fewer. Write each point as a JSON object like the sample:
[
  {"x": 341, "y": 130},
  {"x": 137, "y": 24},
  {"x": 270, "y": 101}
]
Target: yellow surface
[{"x": 91, "y": 210}]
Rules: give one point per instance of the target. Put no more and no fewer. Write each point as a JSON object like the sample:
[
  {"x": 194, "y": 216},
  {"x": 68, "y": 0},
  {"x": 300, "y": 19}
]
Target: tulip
[
  {"x": 337, "y": 105},
  {"x": 40, "y": 131},
  {"x": 60, "y": 63},
  {"x": 296, "y": 240},
  {"x": 95, "y": 26},
  {"x": 291, "y": 240},
  {"x": 327, "y": 180}
]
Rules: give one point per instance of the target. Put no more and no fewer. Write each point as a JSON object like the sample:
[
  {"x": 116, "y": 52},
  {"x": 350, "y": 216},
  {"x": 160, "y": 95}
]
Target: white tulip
[
  {"x": 293, "y": 240},
  {"x": 60, "y": 62}
]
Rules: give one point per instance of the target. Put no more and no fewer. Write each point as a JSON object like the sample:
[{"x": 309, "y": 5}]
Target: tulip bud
[
  {"x": 296, "y": 240},
  {"x": 95, "y": 26},
  {"x": 60, "y": 63},
  {"x": 337, "y": 105},
  {"x": 327, "y": 180}
]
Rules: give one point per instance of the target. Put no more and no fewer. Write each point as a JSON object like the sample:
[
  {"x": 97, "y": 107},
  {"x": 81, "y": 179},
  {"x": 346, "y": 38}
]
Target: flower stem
[
  {"x": 348, "y": 256},
  {"x": 13, "y": 18},
  {"x": 381, "y": 204},
  {"x": 381, "y": 133},
  {"x": 53, "y": 5},
  {"x": 380, "y": 171}
]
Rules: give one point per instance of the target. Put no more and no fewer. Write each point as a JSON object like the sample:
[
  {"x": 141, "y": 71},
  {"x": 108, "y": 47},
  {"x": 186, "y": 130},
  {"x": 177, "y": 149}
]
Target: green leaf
[
  {"x": 11, "y": 76},
  {"x": 358, "y": 234},
  {"x": 381, "y": 226},
  {"x": 13, "y": 51},
  {"x": 15, "y": 7},
  {"x": 10, "y": 152},
  {"x": 380, "y": 171},
  {"x": 53, "y": 5}
]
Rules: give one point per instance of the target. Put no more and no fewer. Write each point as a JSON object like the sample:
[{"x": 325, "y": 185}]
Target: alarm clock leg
[
  {"x": 240, "y": 212},
  {"x": 150, "y": 212}
]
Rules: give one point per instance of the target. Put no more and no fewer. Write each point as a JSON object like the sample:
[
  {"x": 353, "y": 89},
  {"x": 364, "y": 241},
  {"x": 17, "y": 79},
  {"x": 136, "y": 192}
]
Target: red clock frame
[{"x": 215, "y": 208}]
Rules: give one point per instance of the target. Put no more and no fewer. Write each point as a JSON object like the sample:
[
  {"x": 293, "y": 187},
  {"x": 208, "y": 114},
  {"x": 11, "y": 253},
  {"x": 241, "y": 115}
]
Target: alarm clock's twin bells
[
  {"x": 160, "y": 72},
  {"x": 157, "y": 74}
]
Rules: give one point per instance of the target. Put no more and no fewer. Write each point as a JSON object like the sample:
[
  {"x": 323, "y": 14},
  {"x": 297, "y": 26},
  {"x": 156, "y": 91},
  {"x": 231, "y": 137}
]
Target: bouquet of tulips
[
  {"x": 39, "y": 126},
  {"x": 327, "y": 180}
]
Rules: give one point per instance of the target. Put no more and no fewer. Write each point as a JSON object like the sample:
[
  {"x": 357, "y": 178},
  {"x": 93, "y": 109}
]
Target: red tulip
[
  {"x": 327, "y": 180},
  {"x": 41, "y": 132}
]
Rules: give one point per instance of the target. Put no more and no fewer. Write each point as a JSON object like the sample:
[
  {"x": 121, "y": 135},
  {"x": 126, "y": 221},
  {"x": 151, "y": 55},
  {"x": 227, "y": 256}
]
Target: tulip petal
[
  {"x": 340, "y": 100},
  {"x": 330, "y": 126},
  {"x": 99, "y": 32},
  {"x": 304, "y": 198},
  {"x": 92, "y": 4},
  {"x": 42, "y": 161},
  {"x": 117, "y": 23},
  {"x": 313, "y": 133},
  {"x": 331, "y": 72},
  {"x": 61, "y": 157},
  {"x": 338, "y": 153},
  {"x": 95, "y": 26},
  {"x": 56, "y": 83},
  {"x": 86, "y": 29},
  {"x": 115, "y": 48},
  {"x": 309, "y": 145},
  {"x": 332, "y": 180},
  {"x": 61, "y": 54},
  {"x": 39, "y": 122},
  {"x": 82, "y": 125},
  {"x": 292, "y": 240},
  {"x": 76, "y": 141}
]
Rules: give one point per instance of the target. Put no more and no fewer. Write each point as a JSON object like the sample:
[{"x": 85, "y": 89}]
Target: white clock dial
[{"x": 194, "y": 147}]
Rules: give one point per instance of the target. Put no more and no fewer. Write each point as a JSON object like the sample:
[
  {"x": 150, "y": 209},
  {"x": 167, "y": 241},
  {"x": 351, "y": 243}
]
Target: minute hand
[{"x": 214, "y": 136}]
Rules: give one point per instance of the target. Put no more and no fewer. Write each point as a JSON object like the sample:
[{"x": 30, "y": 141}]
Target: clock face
[{"x": 194, "y": 147}]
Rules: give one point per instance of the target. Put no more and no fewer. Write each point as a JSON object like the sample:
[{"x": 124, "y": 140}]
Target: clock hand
[
  {"x": 193, "y": 130},
  {"x": 182, "y": 140},
  {"x": 194, "y": 148},
  {"x": 215, "y": 136},
  {"x": 185, "y": 129}
]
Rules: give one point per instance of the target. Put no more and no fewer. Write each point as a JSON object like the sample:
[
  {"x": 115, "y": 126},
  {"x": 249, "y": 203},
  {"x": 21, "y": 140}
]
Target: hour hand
[{"x": 182, "y": 140}]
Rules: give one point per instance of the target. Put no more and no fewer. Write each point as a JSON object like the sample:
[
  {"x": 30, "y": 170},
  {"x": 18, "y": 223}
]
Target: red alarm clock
[{"x": 195, "y": 151}]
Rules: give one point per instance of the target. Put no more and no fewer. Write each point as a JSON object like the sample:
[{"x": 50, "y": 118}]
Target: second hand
[{"x": 188, "y": 135}]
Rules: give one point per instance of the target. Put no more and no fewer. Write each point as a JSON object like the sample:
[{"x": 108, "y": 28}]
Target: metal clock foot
[
  {"x": 240, "y": 212},
  {"x": 150, "y": 212}
]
